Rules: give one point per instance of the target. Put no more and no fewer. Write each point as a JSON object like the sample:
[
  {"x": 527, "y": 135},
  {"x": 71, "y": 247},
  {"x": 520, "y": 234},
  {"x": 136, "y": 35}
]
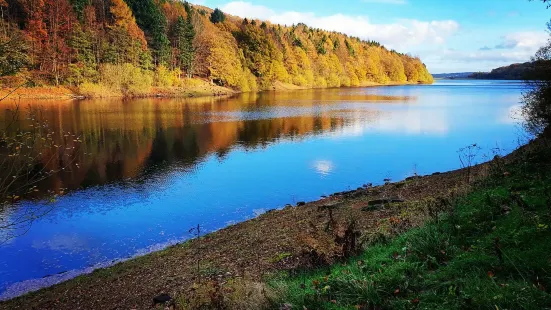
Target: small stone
[{"x": 162, "y": 299}]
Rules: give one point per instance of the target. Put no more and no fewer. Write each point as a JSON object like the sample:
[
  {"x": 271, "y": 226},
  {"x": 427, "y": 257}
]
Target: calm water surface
[{"x": 152, "y": 169}]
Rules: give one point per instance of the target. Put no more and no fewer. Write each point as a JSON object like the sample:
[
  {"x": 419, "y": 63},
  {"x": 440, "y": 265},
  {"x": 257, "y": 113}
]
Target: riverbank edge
[
  {"x": 262, "y": 256},
  {"x": 204, "y": 90}
]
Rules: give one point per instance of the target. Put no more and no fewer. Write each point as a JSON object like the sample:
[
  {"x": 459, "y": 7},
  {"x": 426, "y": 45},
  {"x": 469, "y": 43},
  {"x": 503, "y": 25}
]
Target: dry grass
[
  {"x": 193, "y": 88},
  {"x": 42, "y": 92},
  {"x": 190, "y": 88}
]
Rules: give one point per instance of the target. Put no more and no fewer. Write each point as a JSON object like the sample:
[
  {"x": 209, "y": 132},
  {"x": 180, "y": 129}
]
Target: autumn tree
[
  {"x": 127, "y": 43},
  {"x": 3, "y": 8},
  {"x": 35, "y": 29},
  {"x": 59, "y": 19}
]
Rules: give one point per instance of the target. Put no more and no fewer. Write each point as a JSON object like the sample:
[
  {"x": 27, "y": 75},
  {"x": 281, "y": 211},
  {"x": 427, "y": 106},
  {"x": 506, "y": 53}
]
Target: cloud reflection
[
  {"x": 512, "y": 115},
  {"x": 412, "y": 122},
  {"x": 324, "y": 167}
]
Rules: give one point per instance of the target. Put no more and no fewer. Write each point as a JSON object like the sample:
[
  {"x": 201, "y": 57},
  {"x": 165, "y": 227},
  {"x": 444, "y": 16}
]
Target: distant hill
[
  {"x": 457, "y": 75},
  {"x": 511, "y": 72}
]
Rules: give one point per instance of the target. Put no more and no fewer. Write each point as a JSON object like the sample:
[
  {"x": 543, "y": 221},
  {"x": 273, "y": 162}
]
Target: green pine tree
[
  {"x": 153, "y": 22},
  {"x": 185, "y": 34},
  {"x": 79, "y": 5},
  {"x": 84, "y": 65},
  {"x": 13, "y": 53},
  {"x": 217, "y": 16}
]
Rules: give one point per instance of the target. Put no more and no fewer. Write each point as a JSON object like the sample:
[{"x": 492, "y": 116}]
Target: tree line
[
  {"x": 518, "y": 71},
  {"x": 133, "y": 45}
]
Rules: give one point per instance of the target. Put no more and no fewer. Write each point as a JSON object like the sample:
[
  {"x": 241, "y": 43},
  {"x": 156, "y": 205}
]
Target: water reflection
[{"x": 125, "y": 139}]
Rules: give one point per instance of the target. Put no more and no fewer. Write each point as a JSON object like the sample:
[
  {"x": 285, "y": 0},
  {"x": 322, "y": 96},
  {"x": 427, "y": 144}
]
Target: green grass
[{"x": 492, "y": 252}]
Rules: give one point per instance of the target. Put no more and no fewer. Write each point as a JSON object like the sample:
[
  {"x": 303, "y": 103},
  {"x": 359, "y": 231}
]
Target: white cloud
[
  {"x": 430, "y": 39},
  {"x": 524, "y": 40},
  {"x": 515, "y": 47},
  {"x": 399, "y": 35},
  {"x": 248, "y": 10},
  {"x": 512, "y": 115}
]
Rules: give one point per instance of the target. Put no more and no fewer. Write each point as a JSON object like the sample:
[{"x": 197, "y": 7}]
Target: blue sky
[{"x": 449, "y": 36}]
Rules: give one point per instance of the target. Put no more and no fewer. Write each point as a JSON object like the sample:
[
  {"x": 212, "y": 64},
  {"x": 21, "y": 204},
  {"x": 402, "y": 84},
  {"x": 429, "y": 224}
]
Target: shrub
[
  {"x": 167, "y": 78},
  {"x": 119, "y": 80},
  {"x": 126, "y": 79},
  {"x": 300, "y": 80},
  {"x": 96, "y": 90},
  {"x": 537, "y": 98}
]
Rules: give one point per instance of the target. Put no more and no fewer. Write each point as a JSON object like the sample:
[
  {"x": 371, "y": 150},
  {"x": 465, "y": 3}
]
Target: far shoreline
[{"x": 210, "y": 90}]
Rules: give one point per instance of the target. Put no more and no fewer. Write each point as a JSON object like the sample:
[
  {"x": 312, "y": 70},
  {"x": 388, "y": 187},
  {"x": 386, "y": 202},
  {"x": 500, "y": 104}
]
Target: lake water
[{"x": 152, "y": 169}]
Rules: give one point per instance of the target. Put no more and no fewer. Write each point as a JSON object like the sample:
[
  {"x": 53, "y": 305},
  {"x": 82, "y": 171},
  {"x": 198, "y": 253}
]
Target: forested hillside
[
  {"x": 129, "y": 46},
  {"x": 520, "y": 71}
]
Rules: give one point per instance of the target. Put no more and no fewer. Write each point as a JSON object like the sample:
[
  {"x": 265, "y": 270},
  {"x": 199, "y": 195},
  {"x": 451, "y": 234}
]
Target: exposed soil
[{"x": 203, "y": 89}]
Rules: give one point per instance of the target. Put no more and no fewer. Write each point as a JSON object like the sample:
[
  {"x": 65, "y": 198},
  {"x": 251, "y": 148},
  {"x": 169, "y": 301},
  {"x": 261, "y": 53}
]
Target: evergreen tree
[
  {"x": 217, "y": 16},
  {"x": 83, "y": 67},
  {"x": 185, "y": 34},
  {"x": 154, "y": 23},
  {"x": 187, "y": 7},
  {"x": 78, "y": 6},
  {"x": 13, "y": 53}
]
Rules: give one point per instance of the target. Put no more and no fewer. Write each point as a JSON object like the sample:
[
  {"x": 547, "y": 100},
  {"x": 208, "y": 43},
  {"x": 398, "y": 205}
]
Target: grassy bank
[
  {"x": 435, "y": 245},
  {"x": 490, "y": 250}
]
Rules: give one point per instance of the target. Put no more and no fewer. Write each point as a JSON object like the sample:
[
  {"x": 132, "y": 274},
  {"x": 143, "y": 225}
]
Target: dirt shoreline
[
  {"x": 274, "y": 241},
  {"x": 66, "y": 93},
  {"x": 204, "y": 90}
]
